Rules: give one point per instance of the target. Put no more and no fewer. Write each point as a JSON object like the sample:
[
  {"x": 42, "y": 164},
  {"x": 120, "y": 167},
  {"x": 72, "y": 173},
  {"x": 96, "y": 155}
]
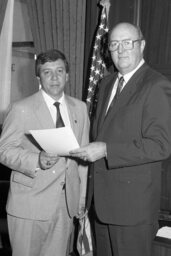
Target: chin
[{"x": 123, "y": 67}]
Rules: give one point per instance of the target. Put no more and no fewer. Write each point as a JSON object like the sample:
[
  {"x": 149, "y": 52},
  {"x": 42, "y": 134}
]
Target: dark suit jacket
[{"x": 127, "y": 182}]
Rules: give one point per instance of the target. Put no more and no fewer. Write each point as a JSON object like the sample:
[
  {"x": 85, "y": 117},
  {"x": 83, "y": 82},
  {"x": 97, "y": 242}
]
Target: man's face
[
  {"x": 53, "y": 78},
  {"x": 126, "y": 60}
]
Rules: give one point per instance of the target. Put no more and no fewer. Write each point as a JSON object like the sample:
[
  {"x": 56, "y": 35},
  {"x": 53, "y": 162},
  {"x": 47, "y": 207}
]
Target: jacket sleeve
[{"x": 13, "y": 150}]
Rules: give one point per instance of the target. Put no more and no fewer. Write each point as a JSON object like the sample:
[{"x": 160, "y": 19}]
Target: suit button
[{"x": 53, "y": 171}]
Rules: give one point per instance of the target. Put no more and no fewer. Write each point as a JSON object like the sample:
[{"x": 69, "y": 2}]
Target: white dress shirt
[
  {"x": 126, "y": 79},
  {"x": 63, "y": 108}
]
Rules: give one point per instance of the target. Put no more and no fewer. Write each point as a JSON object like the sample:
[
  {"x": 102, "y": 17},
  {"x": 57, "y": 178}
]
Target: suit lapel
[
  {"x": 42, "y": 112},
  {"x": 72, "y": 114},
  {"x": 127, "y": 93},
  {"x": 43, "y": 115},
  {"x": 105, "y": 100}
]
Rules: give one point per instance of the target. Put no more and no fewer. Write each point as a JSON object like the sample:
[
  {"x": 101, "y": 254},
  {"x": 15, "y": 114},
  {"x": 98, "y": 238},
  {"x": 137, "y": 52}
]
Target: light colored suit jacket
[
  {"x": 35, "y": 195},
  {"x": 138, "y": 136}
]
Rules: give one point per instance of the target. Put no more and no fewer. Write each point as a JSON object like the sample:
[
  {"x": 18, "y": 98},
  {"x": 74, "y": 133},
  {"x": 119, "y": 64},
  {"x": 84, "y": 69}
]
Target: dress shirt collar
[
  {"x": 130, "y": 74},
  {"x": 50, "y": 101},
  {"x": 63, "y": 107}
]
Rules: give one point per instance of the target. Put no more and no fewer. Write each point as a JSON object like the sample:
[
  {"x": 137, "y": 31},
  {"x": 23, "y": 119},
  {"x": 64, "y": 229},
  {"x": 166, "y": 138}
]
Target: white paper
[
  {"x": 164, "y": 232},
  {"x": 58, "y": 141}
]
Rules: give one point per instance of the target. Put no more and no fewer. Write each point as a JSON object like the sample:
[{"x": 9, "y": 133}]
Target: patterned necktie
[
  {"x": 119, "y": 87},
  {"x": 59, "y": 121}
]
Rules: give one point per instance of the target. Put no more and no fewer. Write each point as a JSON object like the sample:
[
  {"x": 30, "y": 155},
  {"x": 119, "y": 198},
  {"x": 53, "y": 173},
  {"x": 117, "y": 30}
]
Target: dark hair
[{"x": 50, "y": 56}]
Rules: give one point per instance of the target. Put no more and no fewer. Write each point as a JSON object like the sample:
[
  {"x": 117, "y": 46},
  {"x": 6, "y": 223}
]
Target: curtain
[
  {"x": 156, "y": 26},
  {"x": 5, "y": 59},
  {"x": 61, "y": 24},
  {"x": 3, "y": 4}
]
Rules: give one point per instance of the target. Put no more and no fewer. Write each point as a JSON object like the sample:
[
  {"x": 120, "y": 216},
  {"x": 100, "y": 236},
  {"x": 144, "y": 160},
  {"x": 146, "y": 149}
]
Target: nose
[
  {"x": 120, "y": 47},
  {"x": 54, "y": 76}
]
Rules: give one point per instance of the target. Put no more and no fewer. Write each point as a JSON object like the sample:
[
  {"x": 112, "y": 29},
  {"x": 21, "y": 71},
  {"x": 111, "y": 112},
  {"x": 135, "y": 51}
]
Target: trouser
[
  {"x": 41, "y": 238},
  {"x": 113, "y": 240}
]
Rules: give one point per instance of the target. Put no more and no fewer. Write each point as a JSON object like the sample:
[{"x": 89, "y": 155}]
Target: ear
[
  {"x": 143, "y": 45},
  {"x": 67, "y": 77},
  {"x": 38, "y": 79}
]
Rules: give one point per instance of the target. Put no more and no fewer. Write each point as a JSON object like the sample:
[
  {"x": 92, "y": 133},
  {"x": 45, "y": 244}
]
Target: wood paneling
[{"x": 162, "y": 247}]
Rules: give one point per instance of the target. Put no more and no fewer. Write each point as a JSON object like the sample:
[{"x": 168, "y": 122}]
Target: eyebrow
[
  {"x": 49, "y": 68},
  {"x": 122, "y": 39}
]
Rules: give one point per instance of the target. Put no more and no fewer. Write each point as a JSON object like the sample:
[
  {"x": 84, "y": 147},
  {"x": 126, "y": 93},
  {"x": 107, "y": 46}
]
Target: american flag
[
  {"x": 84, "y": 239},
  {"x": 98, "y": 67}
]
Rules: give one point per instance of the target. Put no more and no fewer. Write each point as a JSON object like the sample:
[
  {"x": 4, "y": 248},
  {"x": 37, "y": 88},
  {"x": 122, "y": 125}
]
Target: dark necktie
[
  {"x": 118, "y": 91},
  {"x": 119, "y": 87},
  {"x": 59, "y": 121}
]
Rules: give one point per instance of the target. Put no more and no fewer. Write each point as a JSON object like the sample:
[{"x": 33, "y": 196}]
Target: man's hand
[
  {"x": 92, "y": 152},
  {"x": 47, "y": 160}
]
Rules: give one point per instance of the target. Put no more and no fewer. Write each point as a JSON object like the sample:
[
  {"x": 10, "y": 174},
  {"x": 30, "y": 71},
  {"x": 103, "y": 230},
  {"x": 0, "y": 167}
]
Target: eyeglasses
[{"x": 127, "y": 44}]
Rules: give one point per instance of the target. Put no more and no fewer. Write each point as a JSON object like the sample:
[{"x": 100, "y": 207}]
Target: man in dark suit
[
  {"x": 131, "y": 137},
  {"x": 46, "y": 190}
]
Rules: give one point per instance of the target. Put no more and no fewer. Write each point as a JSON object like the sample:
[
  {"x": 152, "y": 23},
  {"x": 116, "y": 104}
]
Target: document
[
  {"x": 164, "y": 232},
  {"x": 58, "y": 141}
]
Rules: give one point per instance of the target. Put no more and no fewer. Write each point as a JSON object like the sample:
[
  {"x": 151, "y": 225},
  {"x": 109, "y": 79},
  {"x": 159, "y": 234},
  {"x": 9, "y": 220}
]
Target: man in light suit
[
  {"x": 131, "y": 138},
  {"x": 46, "y": 190}
]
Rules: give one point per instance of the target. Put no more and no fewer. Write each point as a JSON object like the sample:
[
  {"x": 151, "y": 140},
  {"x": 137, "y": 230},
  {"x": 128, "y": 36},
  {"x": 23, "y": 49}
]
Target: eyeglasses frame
[{"x": 121, "y": 42}]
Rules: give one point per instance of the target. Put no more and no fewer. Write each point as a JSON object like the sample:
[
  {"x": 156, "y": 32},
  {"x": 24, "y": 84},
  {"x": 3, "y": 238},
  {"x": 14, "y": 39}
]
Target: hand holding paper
[
  {"x": 57, "y": 141},
  {"x": 91, "y": 152},
  {"x": 47, "y": 160}
]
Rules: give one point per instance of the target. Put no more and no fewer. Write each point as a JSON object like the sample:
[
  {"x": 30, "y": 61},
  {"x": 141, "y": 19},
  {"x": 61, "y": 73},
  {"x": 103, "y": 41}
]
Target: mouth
[
  {"x": 122, "y": 57},
  {"x": 55, "y": 85}
]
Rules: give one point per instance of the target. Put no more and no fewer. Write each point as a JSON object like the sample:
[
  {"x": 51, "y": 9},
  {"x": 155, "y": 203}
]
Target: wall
[
  {"x": 21, "y": 27},
  {"x": 23, "y": 82}
]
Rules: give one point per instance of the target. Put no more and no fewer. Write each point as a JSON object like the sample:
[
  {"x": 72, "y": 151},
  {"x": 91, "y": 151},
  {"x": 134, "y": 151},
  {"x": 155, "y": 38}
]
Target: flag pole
[
  {"x": 106, "y": 4},
  {"x": 98, "y": 67}
]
